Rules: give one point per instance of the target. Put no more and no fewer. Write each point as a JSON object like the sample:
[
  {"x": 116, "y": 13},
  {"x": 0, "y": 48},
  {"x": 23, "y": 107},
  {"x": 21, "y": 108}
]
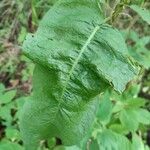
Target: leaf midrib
[{"x": 75, "y": 63}]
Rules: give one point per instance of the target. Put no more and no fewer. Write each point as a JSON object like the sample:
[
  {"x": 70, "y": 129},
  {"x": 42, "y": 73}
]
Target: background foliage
[{"x": 125, "y": 117}]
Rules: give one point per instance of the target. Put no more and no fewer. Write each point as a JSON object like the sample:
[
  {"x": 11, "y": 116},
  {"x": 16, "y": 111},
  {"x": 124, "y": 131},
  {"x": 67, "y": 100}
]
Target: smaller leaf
[
  {"x": 94, "y": 145},
  {"x": 137, "y": 143},
  {"x": 129, "y": 119},
  {"x": 20, "y": 102},
  {"x": 119, "y": 106},
  {"x": 143, "y": 116},
  {"x": 19, "y": 105},
  {"x": 130, "y": 35},
  {"x": 7, "y": 97},
  {"x": 105, "y": 109},
  {"x": 22, "y": 34},
  {"x": 118, "y": 128},
  {"x": 67, "y": 148},
  {"x": 2, "y": 87},
  {"x": 12, "y": 134},
  {"x": 142, "y": 56},
  {"x": 5, "y": 113},
  {"x": 6, "y": 145},
  {"x": 108, "y": 140},
  {"x": 143, "y": 41},
  {"x": 144, "y": 13},
  {"x": 51, "y": 143},
  {"x": 135, "y": 103}
]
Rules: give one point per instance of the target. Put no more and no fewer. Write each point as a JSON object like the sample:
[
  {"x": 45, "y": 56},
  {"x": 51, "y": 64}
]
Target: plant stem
[{"x": 118, "y": 9}]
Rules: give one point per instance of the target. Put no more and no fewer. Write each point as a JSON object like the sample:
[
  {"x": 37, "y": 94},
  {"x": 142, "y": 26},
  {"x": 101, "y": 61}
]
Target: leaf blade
[
  {"x": 71, "y": 56},
  {"x": 144, "y": 13}
]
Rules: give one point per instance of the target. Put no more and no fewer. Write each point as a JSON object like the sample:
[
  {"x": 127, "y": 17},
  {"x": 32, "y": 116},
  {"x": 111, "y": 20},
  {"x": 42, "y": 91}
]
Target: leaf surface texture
[{"x": 77, "y": 57}]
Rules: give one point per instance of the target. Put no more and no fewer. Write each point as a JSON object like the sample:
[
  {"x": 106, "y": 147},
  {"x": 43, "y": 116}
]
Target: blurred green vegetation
[{"x": 126, "y": 116}]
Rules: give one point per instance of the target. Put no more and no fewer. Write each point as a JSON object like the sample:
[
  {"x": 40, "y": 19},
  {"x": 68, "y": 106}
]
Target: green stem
[
  {"x": 118, "y": 9},
  {"x": 34, "y": 12}
]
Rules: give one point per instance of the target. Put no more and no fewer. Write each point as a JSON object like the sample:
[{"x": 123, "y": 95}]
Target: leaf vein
[{"x": 75, "y": 63}]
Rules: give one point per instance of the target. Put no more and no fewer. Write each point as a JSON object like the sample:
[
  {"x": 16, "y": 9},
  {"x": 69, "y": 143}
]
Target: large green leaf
[
  {"x": 44, "y": 116},
  {"x": 77, "y": 57}
]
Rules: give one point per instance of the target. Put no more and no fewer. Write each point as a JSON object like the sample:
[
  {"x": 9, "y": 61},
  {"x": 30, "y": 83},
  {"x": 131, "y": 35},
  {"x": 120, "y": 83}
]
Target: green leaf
[
  {"x": 119, "y": 106},
  {"x": 51, "y": 143},
  {"x": 144, "y": 13},
  {"x": 10, "y": 146},
  {"x": 143, "y": 41},
  {"x": 94, "y": 145},
  {"x": 137, "y": 143},
  {"x": 143, "y": 116},
  {"x": 77, "y": 57},
  {"x": 67, "y": 148},
  {"x": 135, "y": 102},
  {"x": 137, "y": 2},
  {"x": 129, "y": 119},
  {"x": 83, "y": 40},
  {"x": 105, "y": 109},
  {"x": 20, "y": 102},
  {"x": 147, "y": 147},
  {"x": 118, "y": 128},
  {"x": 19, "y": 105},
  {"x": 22, "y": 34},
  {"x": 7, "y": 96},
  {"x": 140, "y": 53},
  {"x": 131, "y": 34},
  {"x": 108, "y": 140},
  {"x": 12, "y": 134},
  {"x": 5, "y": 114},
  {"x": 43, "y": 116},
  {"x": 2, "y": 87}
]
